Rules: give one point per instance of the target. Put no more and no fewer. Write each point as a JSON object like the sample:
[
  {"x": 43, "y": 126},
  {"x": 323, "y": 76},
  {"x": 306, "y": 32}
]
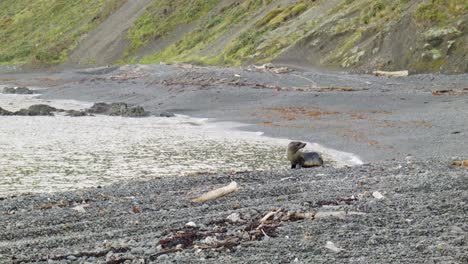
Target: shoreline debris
[
  {"x": 450, "y": 92},
  {"x": 391, "y": 73},
  {"x": 460, "y": 163},
  {"x": 214, "y": 194}
]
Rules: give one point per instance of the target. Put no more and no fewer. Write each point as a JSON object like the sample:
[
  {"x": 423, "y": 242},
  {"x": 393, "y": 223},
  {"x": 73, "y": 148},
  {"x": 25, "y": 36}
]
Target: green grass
[
  {"x": 44, "y": 31},
  {"x": 372, "y": 16},
  {"x": 245, "y": 47},
  {"x": 162, "y": 17},
  {"x": 440, "y": 11},
  {"x": 208, "y": 30}
]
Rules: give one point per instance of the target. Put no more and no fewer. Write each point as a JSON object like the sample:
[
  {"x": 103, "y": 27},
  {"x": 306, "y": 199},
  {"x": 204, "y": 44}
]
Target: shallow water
[
  {"x": 60, "y": 153},
  {"x": 46, "y": 154}
]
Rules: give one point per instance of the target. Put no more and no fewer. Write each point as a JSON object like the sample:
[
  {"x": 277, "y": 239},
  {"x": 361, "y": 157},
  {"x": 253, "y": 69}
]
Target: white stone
[
  {"x": 331, "y": 246},
  {"x": 234, "y": 217},
  {"x": 191, "y": 224},
  {"x": 377, "y": 195}
]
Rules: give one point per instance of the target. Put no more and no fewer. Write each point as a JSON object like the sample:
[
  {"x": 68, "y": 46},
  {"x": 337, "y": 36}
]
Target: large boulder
[
  {"x": 37, "y": 110},
  {"x": 4, "y": 112},
  {"x": 117, "y": 109},
  {"x": 17, "y": 90},
  {"x": 99, "y": 108},
  {"x": 136, "y": 111},
  {"x": 76, "y": 113}
]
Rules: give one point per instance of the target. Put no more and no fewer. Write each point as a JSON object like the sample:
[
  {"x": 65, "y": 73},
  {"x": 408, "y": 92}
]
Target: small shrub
[
  {"x": 372, "y": 12},
  {"x": 268, "y": 17}
]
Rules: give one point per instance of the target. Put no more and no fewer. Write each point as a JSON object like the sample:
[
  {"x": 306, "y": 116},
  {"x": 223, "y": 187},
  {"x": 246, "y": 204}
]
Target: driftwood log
[
  {"x": 391, "y": 73},
  {"x": 211, "y": 195},
  {"x": 460, "y": 163}
]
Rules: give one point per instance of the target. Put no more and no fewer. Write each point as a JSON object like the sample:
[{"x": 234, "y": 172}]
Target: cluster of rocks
[
  {"x": 113, "y": 109},
  {"x": 17, "y": 90},
  {"x": 117, "y": 109},
  {"x": 33, "y": 110}
]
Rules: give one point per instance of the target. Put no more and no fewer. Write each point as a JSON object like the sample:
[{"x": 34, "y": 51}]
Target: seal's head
[
  {"x": 294, "y": 146},
  {"x": 293, "y": 150}
]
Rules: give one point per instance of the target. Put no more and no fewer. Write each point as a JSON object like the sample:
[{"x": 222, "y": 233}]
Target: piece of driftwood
[
  {"x": 214, "y": 194},
  {"x": 450, "y": 92},
  {"x": 336, "y": 214},
  {"x": 270, "y": 214},
  {"x": 300, "y": 216},
  {"x": 391, "y": 73},
  {"x": 460, "y": 163}
]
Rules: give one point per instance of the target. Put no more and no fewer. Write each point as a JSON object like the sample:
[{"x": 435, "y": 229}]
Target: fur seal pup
[{"x": 301, "y": 159}]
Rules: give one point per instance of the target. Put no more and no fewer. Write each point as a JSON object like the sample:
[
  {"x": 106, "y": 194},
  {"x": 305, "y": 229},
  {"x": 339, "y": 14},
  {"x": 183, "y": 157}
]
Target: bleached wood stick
[
  {"x": 391, "y": 73},
  {"x": 337, "y": 214},
  {"x": 460, "y": 163},
  {"x": 211, "y": 195},
  {"x": 307, "y": 215},
  {"x": 267, "y": 216}
]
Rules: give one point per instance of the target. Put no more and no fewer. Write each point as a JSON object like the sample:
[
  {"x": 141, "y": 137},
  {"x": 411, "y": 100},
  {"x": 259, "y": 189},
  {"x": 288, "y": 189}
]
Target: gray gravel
[{"x": 421, "y": 219}]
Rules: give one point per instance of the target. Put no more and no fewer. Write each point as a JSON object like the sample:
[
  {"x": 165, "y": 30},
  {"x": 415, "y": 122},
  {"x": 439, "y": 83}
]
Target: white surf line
[
  {"x": 15, "y": 102},
  {"x": 340, "y": 158}
]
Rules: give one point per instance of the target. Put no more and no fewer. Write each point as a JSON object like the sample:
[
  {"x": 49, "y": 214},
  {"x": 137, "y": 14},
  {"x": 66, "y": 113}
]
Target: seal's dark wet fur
[{"x": 301, "y": 159}]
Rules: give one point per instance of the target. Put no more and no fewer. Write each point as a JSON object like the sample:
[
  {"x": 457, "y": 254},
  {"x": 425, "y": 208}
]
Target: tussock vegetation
[
  {"x": 252, "y": 24},
  {"x": 440, "y": 11},
  {"x": 225, "y": 18},
  {"x": 418, "y": 35},
  {"x": 163, "y": 16},
  {"x": 44, "y": 31}
]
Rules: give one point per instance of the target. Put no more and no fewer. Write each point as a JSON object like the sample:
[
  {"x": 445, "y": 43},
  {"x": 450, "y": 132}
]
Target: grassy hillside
[
  {"x": 163, "y": 16},
  {"x": 44, "y": 31},
  {"x": 356, "y": 35},
  {"x": 254, "y": 22},
  {"x": 421, "y": 35}
]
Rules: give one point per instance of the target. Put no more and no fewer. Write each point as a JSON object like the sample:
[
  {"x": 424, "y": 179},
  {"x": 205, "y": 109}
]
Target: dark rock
[
  {"x": 37, "y": 110},
  {"x": 136, "y": 111},
  {"x": 117, "y": 109},
  {"x": 76, "y": 113},
  {"x": 166, "y": 114},
  {"x": 24, "y": 90},
  {"x": 17, "y": 90},
  {"x": 4, "y": 112},
  {"x": 99, "y": 108},
  {"x": 9, "y": 90}
]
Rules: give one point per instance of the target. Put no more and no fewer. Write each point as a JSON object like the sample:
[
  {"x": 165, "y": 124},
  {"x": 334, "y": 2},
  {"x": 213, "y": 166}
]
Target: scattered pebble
[
  {"x": 331, "y": 246},
  {"x": 191, "y": 224},
  {"x": 234, "y": 218},
  {"x": 377, "y": 195},
  {"x": 80, "y": 208}
]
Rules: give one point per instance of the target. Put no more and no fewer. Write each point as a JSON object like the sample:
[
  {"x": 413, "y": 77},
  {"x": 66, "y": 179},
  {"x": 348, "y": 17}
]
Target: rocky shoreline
[
  {"x": 405, "y": 212},
  {"x": 408, "y": 204},
  {"x": 113, "y": 109}
]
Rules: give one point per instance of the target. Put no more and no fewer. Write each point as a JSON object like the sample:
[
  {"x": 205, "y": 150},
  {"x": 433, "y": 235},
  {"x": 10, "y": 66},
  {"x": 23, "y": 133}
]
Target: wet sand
[{"x": 378, "y": 118}]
